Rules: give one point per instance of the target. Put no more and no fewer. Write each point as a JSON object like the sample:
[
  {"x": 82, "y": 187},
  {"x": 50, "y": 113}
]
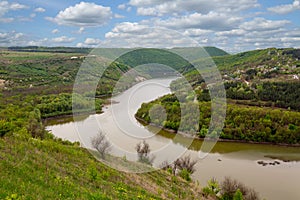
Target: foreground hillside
[{"x": 48, "y": 169}]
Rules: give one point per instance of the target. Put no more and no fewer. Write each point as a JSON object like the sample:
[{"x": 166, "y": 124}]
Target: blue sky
[{"x": 233, "y": 25}]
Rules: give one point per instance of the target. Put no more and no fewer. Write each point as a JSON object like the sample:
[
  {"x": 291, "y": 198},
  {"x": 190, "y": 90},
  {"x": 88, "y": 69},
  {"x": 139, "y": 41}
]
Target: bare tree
[
  {"x": 180, "y": 164},
  {"x": 143, "y": 151},
  {"x": 186, "y": 163},
  {"x": 165, "y": 165},
  {"x": 229, "y": 187},
  {"x": 101, "y": 144}
]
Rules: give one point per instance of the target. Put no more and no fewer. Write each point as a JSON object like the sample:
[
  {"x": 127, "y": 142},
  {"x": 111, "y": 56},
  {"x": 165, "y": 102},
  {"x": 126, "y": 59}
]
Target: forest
[{"x": 243, "y": 123}]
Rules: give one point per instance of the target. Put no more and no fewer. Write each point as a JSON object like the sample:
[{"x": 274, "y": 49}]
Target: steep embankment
[{"x": 48, "y": 169}]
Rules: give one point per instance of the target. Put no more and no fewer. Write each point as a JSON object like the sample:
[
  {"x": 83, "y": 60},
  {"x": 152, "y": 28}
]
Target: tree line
[{"x": 246, "y": 123}]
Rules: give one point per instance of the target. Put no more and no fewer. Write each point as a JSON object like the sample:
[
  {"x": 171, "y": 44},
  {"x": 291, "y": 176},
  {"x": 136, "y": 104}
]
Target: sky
[{"x": 232, "y": 25}]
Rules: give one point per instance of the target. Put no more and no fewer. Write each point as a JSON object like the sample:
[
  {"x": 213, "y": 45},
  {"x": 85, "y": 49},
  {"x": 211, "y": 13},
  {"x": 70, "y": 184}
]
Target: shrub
[
  {"x": 185, "y": 174},
  {"x": 229, "y": 188}
]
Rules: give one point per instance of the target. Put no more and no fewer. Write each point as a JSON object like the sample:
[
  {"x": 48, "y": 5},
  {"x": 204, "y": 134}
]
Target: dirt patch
[{"x": 2, "y": 83}]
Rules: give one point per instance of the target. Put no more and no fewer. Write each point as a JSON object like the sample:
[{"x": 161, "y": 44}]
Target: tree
[
  {"x": 143, "y": 151},
  {"x": 183, "y": 167},
  {"x": 101, "y": 144},
  {"x": 35, "y": 125},
  {"x": 187, "y": 163}
]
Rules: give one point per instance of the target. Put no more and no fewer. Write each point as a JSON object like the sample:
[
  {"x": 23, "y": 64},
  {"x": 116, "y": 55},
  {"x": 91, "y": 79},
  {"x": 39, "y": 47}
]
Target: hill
[
  {"x": 268, "y": 77},
  {"x": 194, "y": 53},
  {"x": 49, "y": 169},
  {"x": 263, "y": 96},
  {"x": 36, "y": 69}
]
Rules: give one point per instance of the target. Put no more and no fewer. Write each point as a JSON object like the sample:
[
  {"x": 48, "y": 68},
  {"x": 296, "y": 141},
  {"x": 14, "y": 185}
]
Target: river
[{"x": 237, "y": 160}]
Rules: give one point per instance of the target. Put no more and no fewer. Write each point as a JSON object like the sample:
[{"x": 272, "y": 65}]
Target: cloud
[
  {"x": 174, "y": 7},
  {"x": 40, "y": 10},
  {"x": 286, "y": 8},
  {"x": 32, "y": 15},
  {"x": 117, "y": 16},
  {"x": 55, "y": 31},
  {"x": 6, "y": 20},
  {"x": 197, "y": 32},
  {"x": 12, "y": 38},
  {"x": 122, "y": 6},
  {"x": 210, "y": 21},
  {"x": 63, "y": 39},
  {"x": 233, "y": 32},
  {"x": 6, "y": 7},
  {"x": 84, "y": 15},
  {"x": 128, "y": 34},
  {"x": 129, "y": 9},
  {"x": 255, "y": 33},
  {"x": 81, "y": 30},
  {"x": 259, "y": 33},
  {"x": 261, "y": 24},
  {"x": 92, "y": 41},
  {"x": 38, "y": 42}
]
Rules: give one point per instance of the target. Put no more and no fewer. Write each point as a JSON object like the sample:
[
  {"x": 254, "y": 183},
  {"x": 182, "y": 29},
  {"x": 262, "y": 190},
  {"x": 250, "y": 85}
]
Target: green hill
[
  {"x": 194, "y": 53},
  {"x": 264, "y": 83},
  {"x": 48, "y": 169},
  {"x": 268, "y": 77},
  {"x": 36, "y": 69}
]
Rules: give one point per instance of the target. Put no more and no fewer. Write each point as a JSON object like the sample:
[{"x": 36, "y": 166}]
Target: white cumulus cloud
[
  {"x": 6, "y": 7},
  {"x": 55, "y": 31},
  {"x": 128, "y": 34},
  {"x": 286, "y": 8},
  {"x": 81, "y": 30},
  {"x": 84, "y": 15},
  {"x": 210, "y": 21},
  {"x": 92, "y": 41},
  {"x": 261, "y": 24},
  {"x": 40, "y": 10},
  {"x": 122, "y": 6},
  {"x": 63, "y": 39},
  {"x": 166, "y": 7}
]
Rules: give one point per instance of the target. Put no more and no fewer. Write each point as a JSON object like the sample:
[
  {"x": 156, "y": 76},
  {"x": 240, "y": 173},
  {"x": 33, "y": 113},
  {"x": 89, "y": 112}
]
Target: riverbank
[{"x": 185, "y": 134}]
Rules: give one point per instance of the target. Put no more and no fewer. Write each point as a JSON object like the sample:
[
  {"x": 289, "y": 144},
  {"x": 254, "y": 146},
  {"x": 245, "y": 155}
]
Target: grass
[{"x": 47, "y": 169}]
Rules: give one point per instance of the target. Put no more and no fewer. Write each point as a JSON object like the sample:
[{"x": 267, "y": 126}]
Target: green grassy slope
[
  {"x": 47, "y": 169},
  {"x": 271, "y": 57},
  {"x": 194, "y": 53}
]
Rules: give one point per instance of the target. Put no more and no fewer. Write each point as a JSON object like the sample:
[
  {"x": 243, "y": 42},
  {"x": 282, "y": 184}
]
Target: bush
[
  {"x": 212, "y": 189},
  {"x": 229, "y": 188},
  {"x": 186, "y": 163},
  {"x": 185, "y": 174}
]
